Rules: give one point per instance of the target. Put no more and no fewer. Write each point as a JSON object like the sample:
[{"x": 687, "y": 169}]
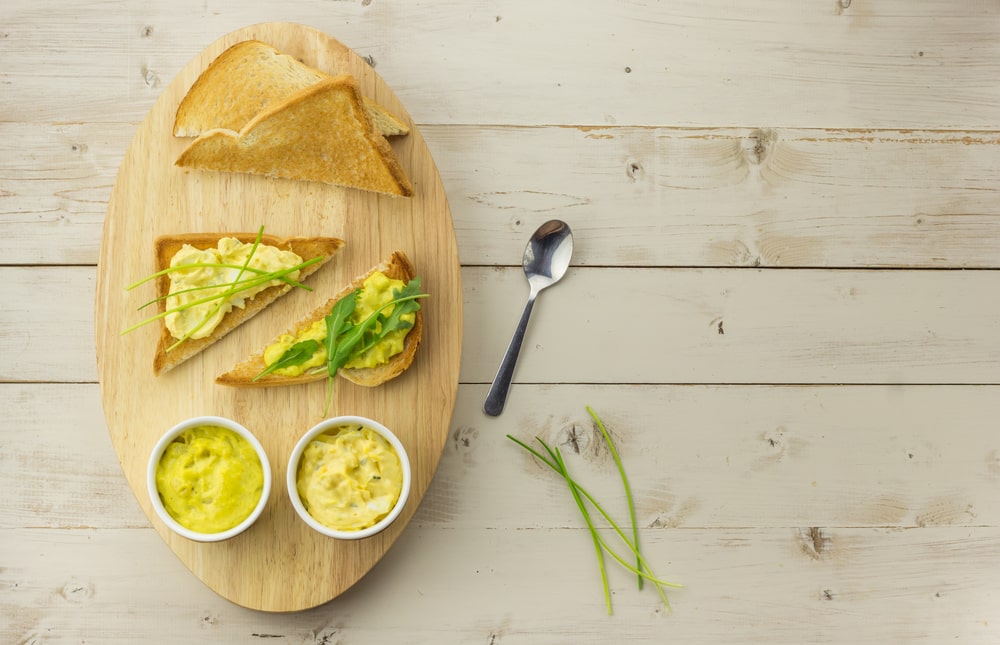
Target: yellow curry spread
[{"x": 210, "y": 479}]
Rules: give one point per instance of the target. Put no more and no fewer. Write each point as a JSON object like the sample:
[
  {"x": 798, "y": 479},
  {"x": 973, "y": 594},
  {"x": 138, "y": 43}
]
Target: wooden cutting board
[{"x": 279, "y": 564}]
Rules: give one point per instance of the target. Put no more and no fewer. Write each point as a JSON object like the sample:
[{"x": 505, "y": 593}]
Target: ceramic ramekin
[
  {"x": 154, "y": 495},
  {"x": 293, "y": 468}
]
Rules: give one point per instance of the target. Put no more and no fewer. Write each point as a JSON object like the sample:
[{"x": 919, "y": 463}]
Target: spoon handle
[{"x": 497, "y": 396}]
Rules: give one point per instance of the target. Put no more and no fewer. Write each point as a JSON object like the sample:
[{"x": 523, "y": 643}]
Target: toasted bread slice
[
  {"x": 305, "y": 247},
  {"x": 398, "y": 267},
  {"x": 248, "y": 78},
  {"x": 320, "y": 134}
]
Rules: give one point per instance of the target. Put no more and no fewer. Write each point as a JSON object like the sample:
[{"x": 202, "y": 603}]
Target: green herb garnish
[
  {"x": 346, "y": 340},
  {"x": 216, "y": 265},
  {"x": 259, "y": 277},
  {"x": 361, "y": 337},
  {"x": 628, "y": 489},
  {"x": 297, "y": 354},
  {"x": 338, "y": 322},
  {"x": 580, "y": 495}
]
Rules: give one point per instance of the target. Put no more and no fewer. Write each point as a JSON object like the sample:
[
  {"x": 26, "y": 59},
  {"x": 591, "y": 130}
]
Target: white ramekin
[
  {"x": 293, "y": 469},
  {"x": 154, "y": 495}
]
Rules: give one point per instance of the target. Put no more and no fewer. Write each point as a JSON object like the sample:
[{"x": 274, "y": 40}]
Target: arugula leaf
[
  {"x": 338, "y": 323},
  {"x": 347, "y": 345},
  {"x": 402, "y": 307},
  {"x": 345, "y": 339},
  {"x": 403, "y": 302},
  {"x": 297, "y": 354}
]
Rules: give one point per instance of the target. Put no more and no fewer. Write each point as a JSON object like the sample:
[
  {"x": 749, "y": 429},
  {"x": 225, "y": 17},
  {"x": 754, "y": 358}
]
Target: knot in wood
[
  {"x": 634, "y": 170},
  {"x": 149, "y": 77},
  {"x": 573, "y": 438},
  {"x": 759, "y": 144},
  {"x": 815, "y": 542},
  {"x": 464, "y": 436},
  {"x": 77, "y": 592}
]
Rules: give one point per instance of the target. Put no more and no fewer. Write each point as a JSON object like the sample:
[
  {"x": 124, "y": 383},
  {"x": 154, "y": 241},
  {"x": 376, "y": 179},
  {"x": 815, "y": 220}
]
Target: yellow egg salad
[
  {"x": 210, "y": 479},
  {"x": 189, "y": 285},
  {"x": 376, "y": 291},
  {"x": 349, "y": 478}
]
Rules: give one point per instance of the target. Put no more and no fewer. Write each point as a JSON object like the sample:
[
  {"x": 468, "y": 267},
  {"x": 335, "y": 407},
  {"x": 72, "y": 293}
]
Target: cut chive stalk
[
  {"x": 238, "y": 285},
  {"x": 641, "y": 569},
  {"x": 211, "y": 265},
  {"x": 267, "y": 277},
  {"x": 249, "y": 283},
  {"x": 628, "y": 489},
  {"x": 599, "y": 545},
  {"x": 225, "y": 296},
  {"x": 563, "y": 471}
]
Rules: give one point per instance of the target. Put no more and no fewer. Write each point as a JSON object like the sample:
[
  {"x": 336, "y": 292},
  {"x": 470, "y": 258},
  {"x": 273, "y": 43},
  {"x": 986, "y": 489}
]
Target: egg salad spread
[
  {"x": 376, "y": 291},
  {"x": 207, "y": 280},
  {"x": 210, "y": 479},
  {"x": 349, "y": 478}
]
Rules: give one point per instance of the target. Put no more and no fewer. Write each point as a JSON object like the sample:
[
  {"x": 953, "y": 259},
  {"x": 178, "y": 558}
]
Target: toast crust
[
  {"x": 248, "y": 78},
  {"x": 398, "y": 267},
  {"x": 165, "y": 248},
  {"x": 321, "y": 133}
]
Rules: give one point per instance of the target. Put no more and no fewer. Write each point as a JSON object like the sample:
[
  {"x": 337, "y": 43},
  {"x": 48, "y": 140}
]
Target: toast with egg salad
[
  {"x": 207, "y": 284},
  {"x": 248, "y": 78},
  {"x": 380, "y": 310},
  {"x": 322, "y": 133}
]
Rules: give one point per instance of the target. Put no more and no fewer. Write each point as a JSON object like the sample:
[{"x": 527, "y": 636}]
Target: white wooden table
[{"x": 782, "y": 303}]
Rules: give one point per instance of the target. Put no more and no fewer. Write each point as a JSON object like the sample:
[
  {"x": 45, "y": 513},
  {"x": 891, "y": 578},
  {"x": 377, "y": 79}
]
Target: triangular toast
[
  {"x": 320, "y": 134},
  {"x": 166, "y": 246},
  {"x": 248, "y": 78},
  {"x": 398, "y": 267}
]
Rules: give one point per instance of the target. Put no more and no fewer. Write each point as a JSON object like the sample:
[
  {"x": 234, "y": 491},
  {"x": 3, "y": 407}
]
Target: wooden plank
[
  {"x": 729, "y": 456},
  {"x": 865, "y": 586},
  {"x": 696, "y": 326},
  {"x": 775, "y": 63},
  {"x": 727, "y": 197},
  {"x": 719, "y": 197},
  {"x": 739, "y": 326},
  {"x": 55, "y": 182},
  {"x": 56, "y": 434},
  {"x": 697, "y": 456},
  {"x": 46, "y": 324}
]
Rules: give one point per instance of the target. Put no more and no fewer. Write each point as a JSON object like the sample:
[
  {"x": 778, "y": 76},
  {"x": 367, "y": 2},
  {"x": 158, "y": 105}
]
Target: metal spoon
[{"x": 546, "y": 259}]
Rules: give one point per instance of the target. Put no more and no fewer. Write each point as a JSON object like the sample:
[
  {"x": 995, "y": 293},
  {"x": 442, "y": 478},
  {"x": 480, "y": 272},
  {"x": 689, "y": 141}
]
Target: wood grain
[
  {"x": 760, "y": 586},
  {"x": 280, "y": 564},
  {"x": 770, "y": 197},
  {"x": 712, "y": 326},
  {"x": 815, "y": 180},
  {"x": 762, "y": 552},
  {"x": 771, "y": 63},
  {"x": 700, "y": 457}
]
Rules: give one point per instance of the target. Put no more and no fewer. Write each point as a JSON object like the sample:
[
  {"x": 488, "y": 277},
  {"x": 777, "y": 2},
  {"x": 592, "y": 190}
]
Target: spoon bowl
[{"x": 546, "y": 259}]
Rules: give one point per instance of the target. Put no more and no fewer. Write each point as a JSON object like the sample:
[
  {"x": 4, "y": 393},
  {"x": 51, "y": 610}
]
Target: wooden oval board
[{"x": 279, "y": 564}]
